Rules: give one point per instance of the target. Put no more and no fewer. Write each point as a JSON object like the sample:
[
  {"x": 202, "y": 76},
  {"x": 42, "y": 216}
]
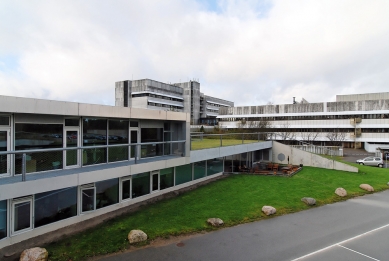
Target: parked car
[{"x": 371, "y": 161}]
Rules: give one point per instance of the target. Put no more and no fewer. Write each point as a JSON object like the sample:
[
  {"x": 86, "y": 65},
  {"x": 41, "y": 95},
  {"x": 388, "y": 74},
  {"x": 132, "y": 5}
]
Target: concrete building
[
  {"x": 352, "y": 121},
  {"x": 181, "y": 97},
  {"x": 63, "y": 163}
]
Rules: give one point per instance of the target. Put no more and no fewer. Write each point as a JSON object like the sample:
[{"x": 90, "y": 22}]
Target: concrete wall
[
  {"x": 297, "y": 157},
  {"x": 364, "y": 96}
]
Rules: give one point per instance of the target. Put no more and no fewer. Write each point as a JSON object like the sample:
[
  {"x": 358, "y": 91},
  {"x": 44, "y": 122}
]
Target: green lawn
[
  {"x": 235, "y": 199},
  {"x": 215, "y": 142}
]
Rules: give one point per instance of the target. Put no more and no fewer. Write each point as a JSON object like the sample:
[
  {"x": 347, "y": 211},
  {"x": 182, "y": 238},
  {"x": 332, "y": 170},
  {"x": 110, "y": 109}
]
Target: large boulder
[
  {"x": 309, "y": 201},
  {"x": 341, "y": 192},
  {"x": 34, "y": 254},
  {"x": 366, "y": 187},
  {"x": 268, "y": 210},
  {"x": 216, "y": 222},
  {"x": 136, "y": 236}
]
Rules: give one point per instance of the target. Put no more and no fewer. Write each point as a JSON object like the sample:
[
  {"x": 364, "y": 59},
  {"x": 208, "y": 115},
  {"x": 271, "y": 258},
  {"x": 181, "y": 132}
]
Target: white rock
[
  {"x": 268, "y": 210},
  {"x": 215, "y": 222},
  {"x": 309, "y": 201},
  {"x": 341, "y": 192},
  {"x": 34, "y": 254},
  {"x": 136, "y": 236},
  {"x": 366, "y": 187}
]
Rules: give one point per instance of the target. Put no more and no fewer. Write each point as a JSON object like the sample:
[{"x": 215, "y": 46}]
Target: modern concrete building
[
  {"x": 181, "y": 97},
  {"x": 352, "y": 121},
  {"x": 65, "y": 163}
]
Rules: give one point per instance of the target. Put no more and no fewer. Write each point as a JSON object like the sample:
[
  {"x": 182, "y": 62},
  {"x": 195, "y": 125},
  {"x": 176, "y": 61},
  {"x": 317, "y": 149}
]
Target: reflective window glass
[
  {"x": 72, "y": 122},
  {"x": 38, "y": 136},
  {"x": 94, "y": 134},
  {"x": 151, "y": 135},
  {"x": 3, "y": 219},
  {"x": 87, "y": 199},
  {"x": 126, "y": 189},
  {"x": 183, "y": 174},
  {"x": 214, "y": 166},
  {"x": 166, "y": 178},
  {"x": 4, "y": 120},
  {"x": 107, "y": 192},
  {"x": 199, "y": 170},
  {"x": 118, "y": 134},
  {"x": 55, "y": 205},
  {"x": 140, "y": 184},
  {"x": 22, "y": 215}
]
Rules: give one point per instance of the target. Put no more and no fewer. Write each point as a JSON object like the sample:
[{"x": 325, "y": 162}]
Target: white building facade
[{"x": 352, "y": 121}]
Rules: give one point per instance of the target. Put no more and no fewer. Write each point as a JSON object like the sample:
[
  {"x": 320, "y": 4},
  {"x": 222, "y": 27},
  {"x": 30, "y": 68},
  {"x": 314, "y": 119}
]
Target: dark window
[
  {"x": 4, "y": 120},
  {"x": 151, "y": 135},
  {"x": 118, "y": 134},
  {"x": 94, "y": 134},
  {"x": 140, "y": 184},
  {"x": 55, "y": 205},
  {"x": 38, "y": 136},
  {"x": 107, "y": 192},
  {"x": 134, "y": 124},
  {"x": 215, "y": 166},
  {"x": 72, "y": 122},
  {"x": 199, "y": 169},
  {"x": 166, "y": 178},
  {"x": 183, "y": 174},
  {"x": 3, "y": 219}
]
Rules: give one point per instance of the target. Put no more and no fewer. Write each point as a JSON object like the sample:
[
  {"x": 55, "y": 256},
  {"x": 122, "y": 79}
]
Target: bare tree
[
  {"x": 285, "y": 133},
  {"x": 336, "y": 137},
  {"x": 309, "y": 137}
]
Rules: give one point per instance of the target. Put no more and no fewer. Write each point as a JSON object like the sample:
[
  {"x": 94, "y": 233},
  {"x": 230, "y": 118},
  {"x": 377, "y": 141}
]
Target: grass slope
[{"x": 236, "y": 199}]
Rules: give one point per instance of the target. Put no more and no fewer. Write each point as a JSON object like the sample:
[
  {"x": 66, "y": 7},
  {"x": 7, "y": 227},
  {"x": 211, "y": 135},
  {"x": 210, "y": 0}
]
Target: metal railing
[{"x": 39, "y": 160}]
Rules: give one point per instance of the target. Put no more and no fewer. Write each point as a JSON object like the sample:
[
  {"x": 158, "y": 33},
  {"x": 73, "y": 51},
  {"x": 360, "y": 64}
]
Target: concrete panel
[
  {"x": 103, "y": 111},
  {"x": 37, "y": 106},
  {"x": 104, "y": 174},
  {"x": 297, "y": 157},
  {"x": 177, "y": 116},
  {"x": 21, "y": 189},
  {"x": 137, "y": 113}
]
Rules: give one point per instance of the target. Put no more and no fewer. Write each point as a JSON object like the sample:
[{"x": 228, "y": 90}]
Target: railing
[
  {"x": 205, "y": 141},
  {"x": 39, "y": 160}
]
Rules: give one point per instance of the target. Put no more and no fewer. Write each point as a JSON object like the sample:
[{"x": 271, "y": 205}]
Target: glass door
[
  {"x": 21, "y": 215},
  {"x": 4, "y": 146},
  {"x": 72, "y": 157}
]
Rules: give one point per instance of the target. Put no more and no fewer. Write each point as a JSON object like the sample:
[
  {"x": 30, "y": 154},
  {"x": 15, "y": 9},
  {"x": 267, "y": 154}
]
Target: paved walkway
[{"x": 356, "y": 229}]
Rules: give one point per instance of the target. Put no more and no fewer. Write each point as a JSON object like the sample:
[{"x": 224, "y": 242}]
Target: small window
[
  {"x": 4, "y": 121},
  {"x": 133, "y": 124},
  {"x": 72, "y": 122},
  {"x": 88, "y": 199}
]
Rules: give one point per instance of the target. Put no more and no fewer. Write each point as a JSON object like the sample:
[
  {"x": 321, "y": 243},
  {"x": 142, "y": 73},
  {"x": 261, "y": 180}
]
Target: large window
[
  {"x": 94, "y": 134},
  {"x": 151, "y": 135},
  {"x": 166, "y": 178},
  {"x": 3, "y": 219},
  {"x": 214, "y": 166},
  {"x": 183, "y": 174},
  {"x": 199, "y": 170},
  {"x": 38, "y": 136},
  {"x": 107, "y": 192},
  {"x": 118, "y": 134},
  {"x": 140, "y": 184},
  {"x": 55, "y": 205}
]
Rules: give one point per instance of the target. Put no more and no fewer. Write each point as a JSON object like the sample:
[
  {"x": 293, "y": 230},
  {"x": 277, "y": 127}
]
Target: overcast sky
[{"x": 249, "y": 52}]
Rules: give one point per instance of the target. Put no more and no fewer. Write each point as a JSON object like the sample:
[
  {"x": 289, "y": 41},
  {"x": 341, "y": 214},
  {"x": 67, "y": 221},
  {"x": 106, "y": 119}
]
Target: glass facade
[
  {"x": 94, "y": 134},
  {"x": 55, "y": 205},
  {"x": 88, "y": 199},
  {"x": 107, "y": 192},
  {"x": 118, "y": 134},
  {"x": 3, "y": 147},
  {"x": 199, "y": 170},
  {"x": 151, "y": 135},
  {"x": 166, "y": 178},
  {"x": 4, "y": 121},
  {"x": 22, "y": 216},
  {"x": 126, "y": 189},
  {"x": 214, "y": 166},
  {"x": 140, "y": 184},
  {"x": 3, "y": 219},
  {"x": 183, "y": 174},
  {"x": 38, "y": 136}
]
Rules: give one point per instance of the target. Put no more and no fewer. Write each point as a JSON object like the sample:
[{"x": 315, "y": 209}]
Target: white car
[{"x": 371, "y": 161}]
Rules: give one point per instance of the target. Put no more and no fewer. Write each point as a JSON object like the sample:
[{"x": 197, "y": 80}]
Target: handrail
[{"x": 87, "y": 147}]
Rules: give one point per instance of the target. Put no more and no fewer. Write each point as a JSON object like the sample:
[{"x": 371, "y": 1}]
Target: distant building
[
  {"x": 181, "y": 97},
  {"x": 352, "y": 121}
]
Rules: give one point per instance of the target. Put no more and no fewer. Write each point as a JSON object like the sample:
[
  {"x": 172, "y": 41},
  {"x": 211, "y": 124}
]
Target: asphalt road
[{"x": 356, "y": 229}]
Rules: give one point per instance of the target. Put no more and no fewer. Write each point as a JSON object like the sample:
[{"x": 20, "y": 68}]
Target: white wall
[{"x": 297, "y": 157}]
